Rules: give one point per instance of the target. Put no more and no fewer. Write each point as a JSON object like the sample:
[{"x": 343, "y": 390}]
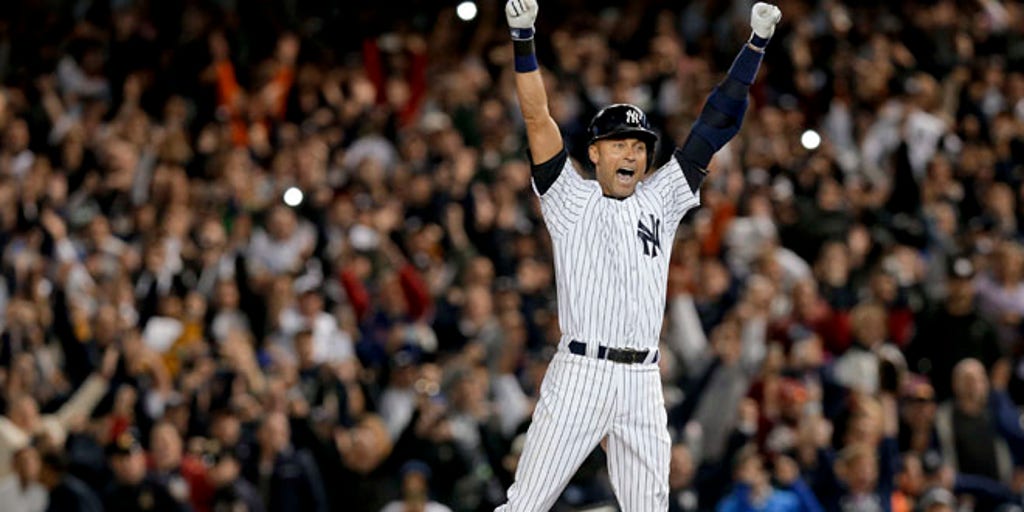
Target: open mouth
[{"x": 625, "y": 175}]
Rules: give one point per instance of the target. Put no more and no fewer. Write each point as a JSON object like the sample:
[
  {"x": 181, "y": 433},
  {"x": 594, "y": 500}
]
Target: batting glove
[
  {"x": 520, "y": 15},
  {"x": 763, "y": 18}
]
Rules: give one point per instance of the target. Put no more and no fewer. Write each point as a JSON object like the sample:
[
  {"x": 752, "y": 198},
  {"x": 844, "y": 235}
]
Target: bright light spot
[
  {"x": 292, "y": 196},
  {"x": 810, "y": 139},
  {"x": 466, "y": 10}
]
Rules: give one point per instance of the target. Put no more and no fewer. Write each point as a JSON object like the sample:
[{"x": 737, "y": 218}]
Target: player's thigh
[
  {"x": 639, "y": 446},
  {"x": 571, "y": 417}
]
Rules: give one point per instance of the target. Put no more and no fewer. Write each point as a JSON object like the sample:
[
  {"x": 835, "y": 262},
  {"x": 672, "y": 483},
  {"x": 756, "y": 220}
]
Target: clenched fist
[
  {"x": 763, "y": 18},
  {"x": 521, "y": 14}
]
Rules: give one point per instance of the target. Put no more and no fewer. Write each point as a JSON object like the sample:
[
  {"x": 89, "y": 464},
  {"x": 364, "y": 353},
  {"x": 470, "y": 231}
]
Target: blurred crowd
[{"x": 844, "y": 321}]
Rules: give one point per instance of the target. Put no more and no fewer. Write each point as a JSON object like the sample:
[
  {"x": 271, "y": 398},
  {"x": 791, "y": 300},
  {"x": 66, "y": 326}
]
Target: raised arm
[
  {"x": 541, "y": 131},
  {"x": 722, "y": 114}
]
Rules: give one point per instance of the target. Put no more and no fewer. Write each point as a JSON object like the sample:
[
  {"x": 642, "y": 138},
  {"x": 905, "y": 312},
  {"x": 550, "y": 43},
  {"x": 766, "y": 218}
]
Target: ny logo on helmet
[
  {"x": 632, "y": 117},
  {"x": 650, "y": 236}
]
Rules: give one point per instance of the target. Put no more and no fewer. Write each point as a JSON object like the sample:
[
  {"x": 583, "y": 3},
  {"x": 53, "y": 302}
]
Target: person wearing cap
[
  {"x": 415, "y": 478},
  {"x": 952, "y": 331},
  {"x": 133, "y": 489}
]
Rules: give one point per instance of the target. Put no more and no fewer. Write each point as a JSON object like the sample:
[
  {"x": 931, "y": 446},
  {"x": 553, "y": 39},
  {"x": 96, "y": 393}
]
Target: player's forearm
[
  {"x": 722, "y": 115},
  {"x": 533, "y": 99},
  {"x": 542, "y": 133}
]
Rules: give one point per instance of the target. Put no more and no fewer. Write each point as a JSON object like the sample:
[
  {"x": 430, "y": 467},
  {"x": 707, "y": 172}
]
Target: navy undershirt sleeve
[
  {"x": 692, "y": 171},
  {"x": 545, "y": 174},
  {"x": 722, "y": 115}
]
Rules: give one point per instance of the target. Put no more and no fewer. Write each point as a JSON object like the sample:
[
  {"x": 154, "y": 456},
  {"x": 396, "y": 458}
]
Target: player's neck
[{"x": 609, "y": 196}]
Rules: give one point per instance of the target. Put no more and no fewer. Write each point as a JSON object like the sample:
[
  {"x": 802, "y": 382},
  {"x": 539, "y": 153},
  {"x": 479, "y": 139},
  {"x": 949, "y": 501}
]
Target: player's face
[{"x": 620, "y": 164}]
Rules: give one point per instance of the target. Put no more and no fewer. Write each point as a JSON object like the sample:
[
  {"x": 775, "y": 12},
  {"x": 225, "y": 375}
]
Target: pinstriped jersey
[{"x": 612, "y": 255}]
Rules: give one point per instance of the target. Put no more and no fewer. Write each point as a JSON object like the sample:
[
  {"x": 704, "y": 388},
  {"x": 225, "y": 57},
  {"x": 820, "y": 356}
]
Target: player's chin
[{"x": 623, "y": 190}]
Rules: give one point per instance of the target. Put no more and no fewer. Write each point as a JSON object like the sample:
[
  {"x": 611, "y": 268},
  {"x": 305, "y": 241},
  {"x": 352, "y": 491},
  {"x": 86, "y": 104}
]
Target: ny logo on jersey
[
  {"x": 650, "y": 236},
  {"x": 632, "y": 117}
]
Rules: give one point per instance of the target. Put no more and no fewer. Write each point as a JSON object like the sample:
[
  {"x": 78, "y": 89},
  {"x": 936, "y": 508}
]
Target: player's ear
[{"x": 592, "y": 152}]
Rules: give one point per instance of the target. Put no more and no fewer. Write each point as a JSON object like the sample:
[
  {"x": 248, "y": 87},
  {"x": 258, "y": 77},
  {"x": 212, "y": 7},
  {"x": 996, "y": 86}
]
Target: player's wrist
[{"x": 524, "y": 50}]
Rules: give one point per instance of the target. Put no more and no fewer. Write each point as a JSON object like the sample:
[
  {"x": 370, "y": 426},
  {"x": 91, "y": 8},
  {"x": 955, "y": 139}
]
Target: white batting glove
[
  {"x": 763, "y": 18},
  {"x": 521, "y": 14}
]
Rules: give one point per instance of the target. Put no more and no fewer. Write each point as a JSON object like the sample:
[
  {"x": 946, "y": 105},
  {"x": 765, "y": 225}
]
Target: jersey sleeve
[
  {"x": 563, "y": 192},
  {"x": 679, "y": 190}
]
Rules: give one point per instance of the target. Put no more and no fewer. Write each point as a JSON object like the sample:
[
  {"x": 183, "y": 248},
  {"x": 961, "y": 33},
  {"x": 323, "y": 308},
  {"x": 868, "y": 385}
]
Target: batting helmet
[{"x": 620, "y": 121}]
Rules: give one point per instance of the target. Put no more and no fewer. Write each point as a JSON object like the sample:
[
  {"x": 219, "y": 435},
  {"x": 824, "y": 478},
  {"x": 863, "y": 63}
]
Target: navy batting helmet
[{"x": 620, "y": 121}]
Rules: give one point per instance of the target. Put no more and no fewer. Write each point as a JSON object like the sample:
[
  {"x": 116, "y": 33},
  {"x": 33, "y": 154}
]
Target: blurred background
[{"x": 285, "y": 255}]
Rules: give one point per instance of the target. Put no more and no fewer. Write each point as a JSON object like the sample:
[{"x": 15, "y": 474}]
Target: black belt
[{"x": 618, "y": 355}]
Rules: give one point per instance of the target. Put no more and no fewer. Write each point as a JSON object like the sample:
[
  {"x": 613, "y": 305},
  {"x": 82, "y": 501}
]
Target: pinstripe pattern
[
  {"x": 639, "y": 446},
  {"x": 571, "y": 417},
  {"x": 597, "y": 250},
  {"x": 611, "y": 289}
]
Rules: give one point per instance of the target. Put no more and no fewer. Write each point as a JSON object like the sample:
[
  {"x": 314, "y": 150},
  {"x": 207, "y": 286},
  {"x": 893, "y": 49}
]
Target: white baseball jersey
[
  {"x": 611, "y": 266},
  {"x": 612, "y": 255}
]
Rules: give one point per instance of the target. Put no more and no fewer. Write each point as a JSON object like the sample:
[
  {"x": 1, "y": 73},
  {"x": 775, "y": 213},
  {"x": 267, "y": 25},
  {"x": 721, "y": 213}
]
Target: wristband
[
  {"x": 758, "y": 41},
  {"x": 524, "y": 51}
]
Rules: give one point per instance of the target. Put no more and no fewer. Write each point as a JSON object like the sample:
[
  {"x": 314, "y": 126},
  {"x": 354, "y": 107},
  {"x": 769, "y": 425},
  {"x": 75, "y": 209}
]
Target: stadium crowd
[{"x": 844, "y": 321}]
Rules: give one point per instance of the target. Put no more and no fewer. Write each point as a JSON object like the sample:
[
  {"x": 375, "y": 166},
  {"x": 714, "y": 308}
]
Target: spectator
[
  {"x": 754, "y": 490},
  {"x": 286, "y": 478},
  {"x": 230, "y": 490},
  {"x": 917, "y": 416},
  {"x": 682, "y": 492},
  {"x": 21, "y": 491},
  {"x": 1001, "y": 294},
  {"x": 415, "y": 491},
  {"x": 181, "y": 474},
  {"x": 23, "y": 419},
  {"x": 861, "y": 476},
  {"x": 134, "y": 488},
  {"x": 937, "y": 500},
  {"x": 951, "y": 332},
  {"x": 978, "y": 430},
  {"x": 858, "y": 367},
  {"x": 66, "y": 491}
]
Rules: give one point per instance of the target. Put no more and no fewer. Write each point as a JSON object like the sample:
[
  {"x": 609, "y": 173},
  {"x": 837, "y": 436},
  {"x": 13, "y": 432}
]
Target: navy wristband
[{"x": 525, "y": 55}]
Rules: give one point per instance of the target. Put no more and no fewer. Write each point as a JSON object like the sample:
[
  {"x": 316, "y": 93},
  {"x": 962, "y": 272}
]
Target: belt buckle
[
  {"x": 637, "y": 356},
  {"x": 626, "y": 356}
]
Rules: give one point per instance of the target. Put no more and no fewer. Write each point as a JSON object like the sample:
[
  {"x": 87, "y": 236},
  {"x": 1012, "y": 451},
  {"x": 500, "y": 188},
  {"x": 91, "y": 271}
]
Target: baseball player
[{"x": 612, "y": 240}]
